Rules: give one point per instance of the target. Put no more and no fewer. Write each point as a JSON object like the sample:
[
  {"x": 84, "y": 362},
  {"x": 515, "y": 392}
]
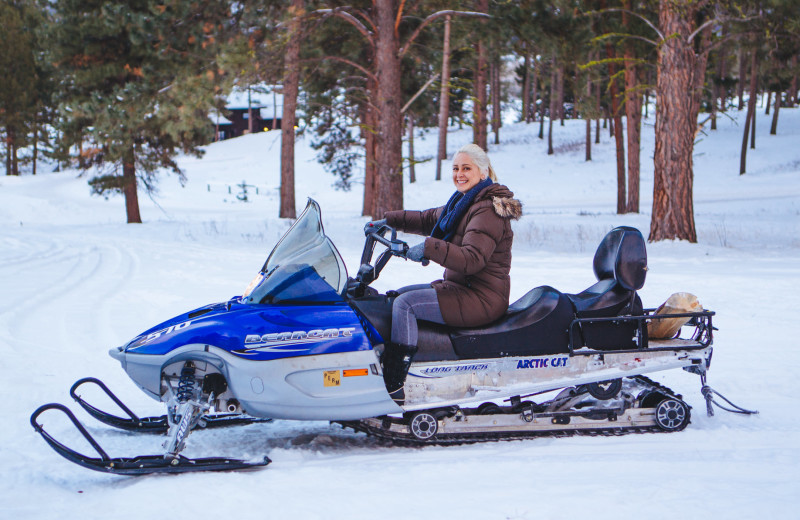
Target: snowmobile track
[{"x": 605, "y": 429}]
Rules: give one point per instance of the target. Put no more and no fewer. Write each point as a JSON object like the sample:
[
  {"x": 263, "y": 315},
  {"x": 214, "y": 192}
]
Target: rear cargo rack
[{"x": 701, "y": 337}]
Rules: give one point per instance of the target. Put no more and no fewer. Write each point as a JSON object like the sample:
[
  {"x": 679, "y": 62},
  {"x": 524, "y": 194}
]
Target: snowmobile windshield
[{"x": 304, "y": 267}]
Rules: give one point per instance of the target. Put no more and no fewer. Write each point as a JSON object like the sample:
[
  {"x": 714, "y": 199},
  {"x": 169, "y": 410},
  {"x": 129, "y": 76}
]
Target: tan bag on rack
[{"x": 678, "y": 303}]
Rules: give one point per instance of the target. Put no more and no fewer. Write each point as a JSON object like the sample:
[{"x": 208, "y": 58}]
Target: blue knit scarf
[{"x": 455, "y": 208}]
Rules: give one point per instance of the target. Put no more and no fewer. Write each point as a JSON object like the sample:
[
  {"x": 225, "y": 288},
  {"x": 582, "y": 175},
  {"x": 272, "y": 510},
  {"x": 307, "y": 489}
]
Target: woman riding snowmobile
[{"x": 471, "y": 238}]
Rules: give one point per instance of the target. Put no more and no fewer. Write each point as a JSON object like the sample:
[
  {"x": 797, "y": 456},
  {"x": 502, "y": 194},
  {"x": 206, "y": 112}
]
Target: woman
[{"x": 471, "y": 238}]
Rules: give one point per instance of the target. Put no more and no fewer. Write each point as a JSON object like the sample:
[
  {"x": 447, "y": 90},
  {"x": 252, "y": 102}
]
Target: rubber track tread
[{"x": 456, "y": 439}]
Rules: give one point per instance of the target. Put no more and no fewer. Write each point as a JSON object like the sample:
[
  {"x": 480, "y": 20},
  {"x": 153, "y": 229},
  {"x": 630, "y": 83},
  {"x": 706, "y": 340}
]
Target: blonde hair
[{"x": 480, "y": 158}]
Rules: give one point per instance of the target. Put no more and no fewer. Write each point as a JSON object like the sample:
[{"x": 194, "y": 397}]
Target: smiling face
[{"x": 466, "y": 174}]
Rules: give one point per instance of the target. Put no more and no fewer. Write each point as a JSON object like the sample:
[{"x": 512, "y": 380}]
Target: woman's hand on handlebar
[{"x": 416, "y": 253}]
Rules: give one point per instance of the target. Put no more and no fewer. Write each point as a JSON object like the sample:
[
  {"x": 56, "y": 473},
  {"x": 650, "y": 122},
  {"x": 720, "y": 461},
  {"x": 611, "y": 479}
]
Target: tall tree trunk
[
  {"x": 479, "y": 119},
  {"x": 129, "y": 188},
  {"x": 8, "y": 151},
  {"x": 769, "y": 102},
  {"x": 680, "y": 73},
  {"x": 249, "y": 113},
  {"x": 588, "y": 120},
  {"x": 633, "y": 114},
  {"x": 412, "y": 171},
  {"x": 370, "y": 156},
  {"x": 526, "y": 86},
  {"x": 723, "y": 74},
  {"x": 715, "y": 89},
  {"x": 390, "y": 120},
  {"x": 35, "y": 140},
  {"x": 598, "y": 93},
  {"x": 496, "y": 115},
  {"x": 534, "y": 92},
  {"x": 622, "y": 203},
  {"x": 541, "y": 119},
  {"x": 718, "y": 94},
  {"x": 12, "y": 164},
  {"x": 773, "y": 129},
  {"x": 597, "y": 130},
  {"x": 794, "y": 85},
  {"x": 746, "y": 134},
  {"x": 15, "y": 157},
  {"x": 542, "y": 109},
  {"x": 740, "y": 85},
  {"x": 751, "y": 112},
  {"x": 553, "y": 104},
  {"x": 753, "y": 130},
  {"x": 560, "y": 106},
  {"x": 291, "y": 86},
  {"x": 444, "y": 100}
]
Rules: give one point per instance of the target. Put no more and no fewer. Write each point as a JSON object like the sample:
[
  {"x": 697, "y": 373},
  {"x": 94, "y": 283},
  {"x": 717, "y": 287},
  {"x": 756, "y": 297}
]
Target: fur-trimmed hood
[
  {"x": 503, "y": 201},
  {"x": 507, "y": 207}
]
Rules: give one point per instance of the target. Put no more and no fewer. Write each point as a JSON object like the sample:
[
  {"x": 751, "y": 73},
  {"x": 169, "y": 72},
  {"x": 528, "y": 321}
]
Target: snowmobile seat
[
  {"x": 536, "y": 324},
  {"x": 433, "y": 339},
  {"x": 620, "y": 266}
]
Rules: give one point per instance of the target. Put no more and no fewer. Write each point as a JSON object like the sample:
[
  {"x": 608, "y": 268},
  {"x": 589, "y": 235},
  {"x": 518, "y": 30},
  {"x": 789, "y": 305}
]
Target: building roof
[
  {"x": 219, "y": 119},
  {"x": 263, "y": 97}
]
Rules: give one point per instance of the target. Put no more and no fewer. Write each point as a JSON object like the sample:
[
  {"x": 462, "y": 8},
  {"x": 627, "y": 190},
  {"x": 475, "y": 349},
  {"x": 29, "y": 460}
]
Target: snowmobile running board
[
  {"x": 157, "y": 425},
  {"x": 141, "y": 465}
]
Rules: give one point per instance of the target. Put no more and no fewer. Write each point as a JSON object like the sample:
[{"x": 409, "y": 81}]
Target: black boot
[{"x": 396, "y": 361}]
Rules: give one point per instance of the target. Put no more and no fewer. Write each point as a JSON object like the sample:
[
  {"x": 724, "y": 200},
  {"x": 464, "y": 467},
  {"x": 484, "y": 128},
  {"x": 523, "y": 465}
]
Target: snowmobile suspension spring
[{"x": 186, "y": 383}]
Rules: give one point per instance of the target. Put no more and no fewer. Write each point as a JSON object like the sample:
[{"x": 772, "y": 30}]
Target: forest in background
[{"x": 119, "y": 89}]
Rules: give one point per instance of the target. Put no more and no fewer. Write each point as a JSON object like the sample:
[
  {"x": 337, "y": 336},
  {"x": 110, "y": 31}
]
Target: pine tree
[
  {"x": 18, "y": 87},
  {"x": 139, "y": 83}
]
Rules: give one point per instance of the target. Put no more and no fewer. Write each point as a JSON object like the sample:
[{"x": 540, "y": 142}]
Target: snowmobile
[{"x": 304, "y": 341}]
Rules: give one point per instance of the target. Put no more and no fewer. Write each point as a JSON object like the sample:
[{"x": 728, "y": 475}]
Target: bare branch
[
  {"x": 700, "y": 29},
  {"x": 637, "y": 15},
  {"x": 433, "y": 17},
  {"x": 366, "y": 72},
  {"x": 349, "y": 18},
  {"x": 420, "y": 91},
  {"x": 399, "y": 16},
  {"x": 624, "y": 35},
  {"x": 367, "y": 19}
]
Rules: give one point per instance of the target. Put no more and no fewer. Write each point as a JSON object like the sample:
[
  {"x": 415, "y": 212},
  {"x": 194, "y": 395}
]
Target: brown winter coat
[{"x": 477, "y": 260}]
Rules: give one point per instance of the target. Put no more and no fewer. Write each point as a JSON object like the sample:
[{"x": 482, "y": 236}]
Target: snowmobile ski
[
  {"x": 140, "y": 465},
  {"x": 157, "y": 425}
]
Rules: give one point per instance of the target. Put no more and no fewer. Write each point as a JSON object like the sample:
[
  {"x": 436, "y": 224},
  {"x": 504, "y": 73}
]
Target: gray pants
[{"x": 415, "y": 302}]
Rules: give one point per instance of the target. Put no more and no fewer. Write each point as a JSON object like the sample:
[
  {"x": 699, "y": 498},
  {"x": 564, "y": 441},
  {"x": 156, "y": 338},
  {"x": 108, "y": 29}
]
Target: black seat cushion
[
  {"x": 434, "y": 339},
  {"x": 536, "y": 324},
  {"x": 605, "y": 298}
]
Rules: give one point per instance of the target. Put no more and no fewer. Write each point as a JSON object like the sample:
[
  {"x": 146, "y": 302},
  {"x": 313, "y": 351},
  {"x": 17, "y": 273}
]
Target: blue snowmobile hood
[
  {"x": 293, "y": 307},
  {"x": 258, "y": 332}
]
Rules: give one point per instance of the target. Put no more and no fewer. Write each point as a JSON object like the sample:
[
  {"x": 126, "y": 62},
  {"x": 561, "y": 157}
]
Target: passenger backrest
[
  {"x": 622, "y": 256},
  {"x": 620, "y": 265}
]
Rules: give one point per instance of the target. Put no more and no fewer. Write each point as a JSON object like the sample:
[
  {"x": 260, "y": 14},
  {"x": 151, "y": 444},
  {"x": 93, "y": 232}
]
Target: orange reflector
[{"x": 355, "y": 372}]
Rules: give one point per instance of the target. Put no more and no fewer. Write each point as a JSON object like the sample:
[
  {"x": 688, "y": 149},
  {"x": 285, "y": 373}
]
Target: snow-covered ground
[{"x": 76, "y": 281}]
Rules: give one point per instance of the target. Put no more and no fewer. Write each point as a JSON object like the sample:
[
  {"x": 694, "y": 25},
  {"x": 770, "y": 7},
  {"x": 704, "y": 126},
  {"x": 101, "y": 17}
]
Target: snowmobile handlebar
[{"x": 368, "y": 273}]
